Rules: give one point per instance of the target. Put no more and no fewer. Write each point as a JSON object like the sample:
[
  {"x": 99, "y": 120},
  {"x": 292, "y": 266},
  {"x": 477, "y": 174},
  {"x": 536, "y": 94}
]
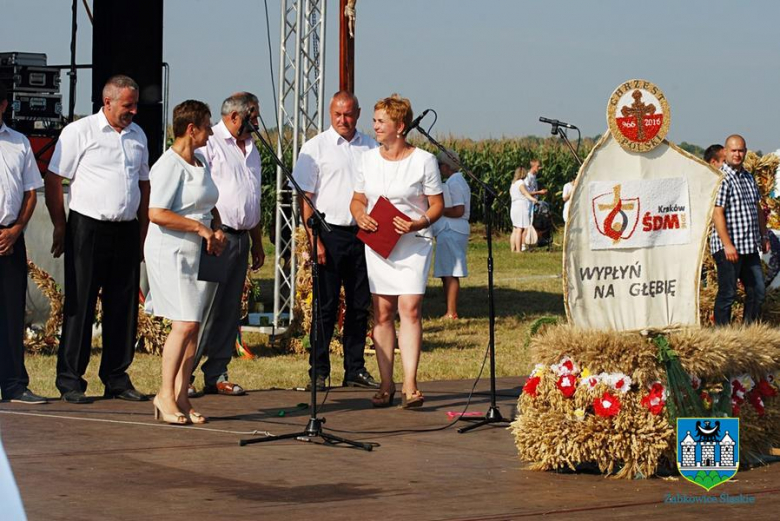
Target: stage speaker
[{"x": 127, "y": 38}]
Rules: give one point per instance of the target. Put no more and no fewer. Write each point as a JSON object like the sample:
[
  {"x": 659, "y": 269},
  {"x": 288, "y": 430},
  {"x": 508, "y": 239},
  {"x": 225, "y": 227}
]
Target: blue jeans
[{"x": 748, "y": 269}]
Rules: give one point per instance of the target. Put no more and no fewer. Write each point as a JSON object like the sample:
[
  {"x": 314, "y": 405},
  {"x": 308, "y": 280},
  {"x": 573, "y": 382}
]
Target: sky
[{"x": 489, "y": 68}]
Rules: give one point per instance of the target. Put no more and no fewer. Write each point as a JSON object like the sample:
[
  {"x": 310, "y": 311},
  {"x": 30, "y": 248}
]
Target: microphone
[
  {"x": 416, "y": 122},
  {"x": 556, "y": 123}
]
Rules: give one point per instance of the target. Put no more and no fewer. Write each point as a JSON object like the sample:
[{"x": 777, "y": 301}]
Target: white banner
[
  {"x": 641, "y": 267},
  {"x": 639, "y": 214}
]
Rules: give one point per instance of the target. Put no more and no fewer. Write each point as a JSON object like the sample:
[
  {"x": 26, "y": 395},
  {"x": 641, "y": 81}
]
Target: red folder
[{"x": 383, "y": 240}]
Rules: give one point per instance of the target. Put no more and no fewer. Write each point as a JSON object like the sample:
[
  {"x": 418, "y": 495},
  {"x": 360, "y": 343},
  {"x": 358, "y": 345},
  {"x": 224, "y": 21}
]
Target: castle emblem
[{"x": 708, "y": 451}]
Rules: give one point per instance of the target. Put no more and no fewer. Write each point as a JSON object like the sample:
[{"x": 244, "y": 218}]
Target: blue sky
[{"x": 489, "y": 68}]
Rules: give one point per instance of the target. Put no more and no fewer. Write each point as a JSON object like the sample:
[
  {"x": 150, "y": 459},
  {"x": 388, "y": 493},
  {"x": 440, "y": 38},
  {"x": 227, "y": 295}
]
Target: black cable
[
  {"x": 431, "y": 429},
  {"x": 435, "y": 119},
  {"x": 271, "y": 67}
]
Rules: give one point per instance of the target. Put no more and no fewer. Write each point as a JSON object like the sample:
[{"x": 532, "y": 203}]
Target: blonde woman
[
  {"x": 410, "y": 179},
  {"x": 520, "y": 211}
]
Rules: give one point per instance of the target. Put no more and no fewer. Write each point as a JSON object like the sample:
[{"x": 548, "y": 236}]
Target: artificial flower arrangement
[{"x": 621, "y": 417}]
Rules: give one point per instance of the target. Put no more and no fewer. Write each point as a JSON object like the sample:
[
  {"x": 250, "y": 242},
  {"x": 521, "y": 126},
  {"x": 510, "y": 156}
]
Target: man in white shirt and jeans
[
  {"x": 235, "y": 167},
  {"x": 106, "y": 159},
  {"x": 19, "y": 177},
  {"x": 326, "y": 170}
]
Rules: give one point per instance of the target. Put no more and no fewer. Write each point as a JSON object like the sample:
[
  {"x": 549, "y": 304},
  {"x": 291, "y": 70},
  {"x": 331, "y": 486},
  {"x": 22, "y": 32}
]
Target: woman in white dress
[
  {"x": 520, "y": 211},
  {"x": 182, "y": 215},
  {"x": 409, "y": 178}
]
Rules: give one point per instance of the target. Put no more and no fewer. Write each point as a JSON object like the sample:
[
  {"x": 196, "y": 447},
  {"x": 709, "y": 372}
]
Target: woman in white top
[
  {"x": 520, "y": 211},
  {"x": 568, "y": 189},
  {"x": 452, "y": 232},
  {"x": 182, "y": 214},
  {"x": 409, "y": 178}
]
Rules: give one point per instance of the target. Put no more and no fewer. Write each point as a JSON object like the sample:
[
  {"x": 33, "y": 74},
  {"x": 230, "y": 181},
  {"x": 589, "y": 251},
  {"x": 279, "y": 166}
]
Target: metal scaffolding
[{"x": 301, "y": 82}]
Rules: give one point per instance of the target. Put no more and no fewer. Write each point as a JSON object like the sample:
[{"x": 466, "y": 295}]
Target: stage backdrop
[{"x": 635, "y": 237}]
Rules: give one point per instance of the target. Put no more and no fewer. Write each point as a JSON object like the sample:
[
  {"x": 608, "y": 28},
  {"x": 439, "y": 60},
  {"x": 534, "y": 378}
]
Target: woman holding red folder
[{"x": 407, "y": 177}]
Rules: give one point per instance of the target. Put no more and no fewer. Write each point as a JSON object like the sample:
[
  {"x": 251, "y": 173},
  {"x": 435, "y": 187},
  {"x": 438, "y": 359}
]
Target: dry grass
[{"x": 527, "y": 286}]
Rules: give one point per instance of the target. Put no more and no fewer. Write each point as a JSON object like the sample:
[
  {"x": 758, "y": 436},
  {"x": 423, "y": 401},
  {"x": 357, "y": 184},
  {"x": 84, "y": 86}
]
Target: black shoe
[
  {"x": 76, "y": 397},
  {"x": 361, "y": 379},
  {"x": 321, "y": 382},
  {"x": 29, "y": 397},
  {"x": 131, "y": 395}
]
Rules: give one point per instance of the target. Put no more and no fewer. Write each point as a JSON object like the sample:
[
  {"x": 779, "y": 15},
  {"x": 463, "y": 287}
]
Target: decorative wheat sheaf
[{"x": 555, "y": 431}]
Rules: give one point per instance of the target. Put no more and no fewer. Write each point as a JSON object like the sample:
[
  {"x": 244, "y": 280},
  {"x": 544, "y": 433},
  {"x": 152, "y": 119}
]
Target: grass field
[{"x": 527, "y": 286}]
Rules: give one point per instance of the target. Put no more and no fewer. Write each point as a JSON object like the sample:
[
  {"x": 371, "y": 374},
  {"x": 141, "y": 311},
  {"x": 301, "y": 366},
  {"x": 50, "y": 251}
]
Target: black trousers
[
  {"x": 99, "y": 255},
  {"x": 13, "y": 293},
  {"x": 345, "y": 265}
]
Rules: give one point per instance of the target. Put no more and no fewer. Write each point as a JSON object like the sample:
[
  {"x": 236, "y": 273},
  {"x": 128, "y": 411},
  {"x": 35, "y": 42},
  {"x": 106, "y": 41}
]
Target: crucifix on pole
[{"x": 347, "y": 45}]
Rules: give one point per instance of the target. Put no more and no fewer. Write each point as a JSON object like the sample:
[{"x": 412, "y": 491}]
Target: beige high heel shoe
[
  {"x": 197, "y": 418},
  {"x": 177, "y": 418}
]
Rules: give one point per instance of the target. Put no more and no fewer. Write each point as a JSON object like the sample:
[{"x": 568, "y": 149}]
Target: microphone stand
[
  {"x": 316, "y": 222},
  {"x": 489, "y": 195},
  {"x": 556, "y": 129}
]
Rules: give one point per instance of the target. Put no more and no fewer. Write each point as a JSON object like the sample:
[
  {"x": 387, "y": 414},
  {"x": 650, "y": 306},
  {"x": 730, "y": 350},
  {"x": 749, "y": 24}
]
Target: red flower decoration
[
  {"x": 606, "y": 405},
  {"x": 567, "y": 384},
  {"x": 766, "y": 389},
  {"x": 530, "y": 386},
  {"x": 754, "y": 397},
  {"x": 653, "y": 403}
]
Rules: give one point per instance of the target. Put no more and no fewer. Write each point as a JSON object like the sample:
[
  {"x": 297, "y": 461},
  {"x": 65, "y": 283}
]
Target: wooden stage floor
[{"x": 111, "y": 460}]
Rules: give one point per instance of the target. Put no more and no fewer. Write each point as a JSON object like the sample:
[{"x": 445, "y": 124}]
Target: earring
[{"x": 398, "y": 135}]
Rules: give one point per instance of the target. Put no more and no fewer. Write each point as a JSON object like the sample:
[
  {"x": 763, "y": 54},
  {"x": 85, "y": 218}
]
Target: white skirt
[
  {"x": 450, "y": 258},
  {"x": 520, "y": 212},
  {"x": 405, "y": 271},
  {"x": 172, "y": 262}
]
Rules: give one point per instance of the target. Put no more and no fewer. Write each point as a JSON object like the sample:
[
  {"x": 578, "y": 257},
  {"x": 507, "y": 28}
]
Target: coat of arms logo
[
  {"x": 638, "y": 115},
  {"x": 708, "y": 450}
]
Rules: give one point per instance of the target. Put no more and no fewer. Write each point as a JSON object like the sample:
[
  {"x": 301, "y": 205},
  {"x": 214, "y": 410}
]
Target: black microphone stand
[
  {"x": 489, "y": 195},
  {"x": 316, "y": 222},
  {"x": 556, "y": 129}
]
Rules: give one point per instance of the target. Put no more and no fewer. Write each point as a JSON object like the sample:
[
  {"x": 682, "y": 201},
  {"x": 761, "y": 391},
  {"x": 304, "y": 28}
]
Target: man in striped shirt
[{"x": 739, "y": 236}]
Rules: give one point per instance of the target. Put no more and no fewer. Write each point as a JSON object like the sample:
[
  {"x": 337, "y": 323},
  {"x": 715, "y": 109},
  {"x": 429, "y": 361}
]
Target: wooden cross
[{"x": 639, "y": 111}]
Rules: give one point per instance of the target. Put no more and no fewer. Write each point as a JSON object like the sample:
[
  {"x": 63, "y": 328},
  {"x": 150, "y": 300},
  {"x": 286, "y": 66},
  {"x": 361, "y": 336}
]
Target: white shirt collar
[
  {"x": 338, "y": 138},
  {"x": 221, "y": 131},
  {"x": 103, "y": 123},
  {"x": 3, "y": 128}
]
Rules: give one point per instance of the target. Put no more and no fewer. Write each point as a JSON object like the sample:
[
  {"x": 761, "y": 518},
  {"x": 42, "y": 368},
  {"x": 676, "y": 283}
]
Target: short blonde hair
[
  {"x": 520, "y": 173},
  {"x": 397, "y": 108}
]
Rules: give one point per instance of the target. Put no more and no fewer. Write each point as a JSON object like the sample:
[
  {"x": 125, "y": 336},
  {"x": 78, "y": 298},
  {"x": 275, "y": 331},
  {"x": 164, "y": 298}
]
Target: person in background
[
  {"x": 715, "y": 155},
  {"x": 568, "y": 190},
  {"x": 452, "y": 232},
  {"x": 235, "y": 166},
  {"x": 520, "y": 210},
  {"x": 19, "y": 178},
  {"x": 106, "y": 159},
  {"x": 532, "y": 181},
  {"x": 739, "y": 236},
  {"x": 409, "y": 178},
  {"x": 183, "y": 215}
]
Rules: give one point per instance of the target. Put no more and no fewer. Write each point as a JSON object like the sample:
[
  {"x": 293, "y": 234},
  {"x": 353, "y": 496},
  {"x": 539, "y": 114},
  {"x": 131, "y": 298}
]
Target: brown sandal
[
  {"x": 383, "y": 399},
  {"x": 416, "y": 399}
]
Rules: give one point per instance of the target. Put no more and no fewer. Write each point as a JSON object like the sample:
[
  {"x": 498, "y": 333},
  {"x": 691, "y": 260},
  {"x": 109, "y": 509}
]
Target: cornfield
[{"x": 493, "y": 161}]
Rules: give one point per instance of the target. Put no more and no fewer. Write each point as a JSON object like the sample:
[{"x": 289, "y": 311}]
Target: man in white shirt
[
  {"x": 106, "y": 159},
  {"x": 235, "y": 167},
  {"x": 452, "y": 232},
  {"x": 326, "y": 170},
  {"x": 19, "y": 177}
]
